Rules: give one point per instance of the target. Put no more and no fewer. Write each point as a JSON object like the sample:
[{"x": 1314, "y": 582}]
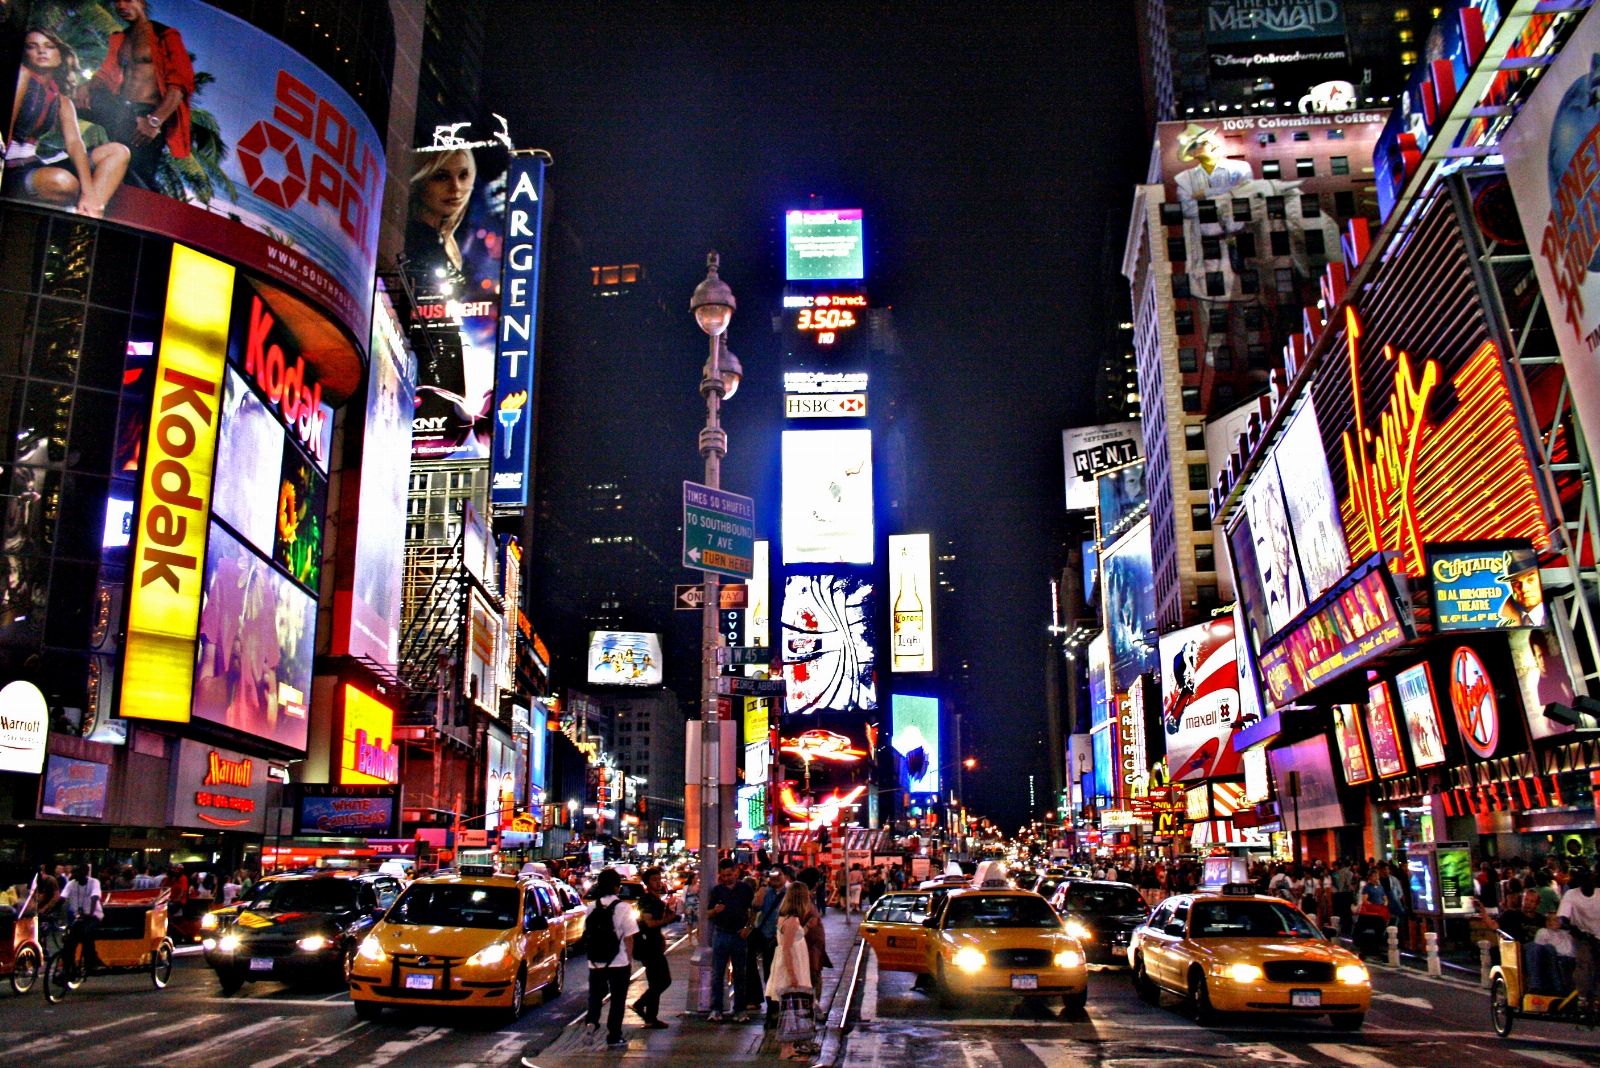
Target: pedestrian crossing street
[{"x": 989, "y": 1044}]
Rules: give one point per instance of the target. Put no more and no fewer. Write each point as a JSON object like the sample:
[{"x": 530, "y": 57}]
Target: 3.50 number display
[{"x": 825, "y": 319}]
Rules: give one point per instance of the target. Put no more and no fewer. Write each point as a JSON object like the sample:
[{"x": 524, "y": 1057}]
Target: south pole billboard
[
  {"x": 1549, "y": 152},
  {"x": 518, "y": 336}
]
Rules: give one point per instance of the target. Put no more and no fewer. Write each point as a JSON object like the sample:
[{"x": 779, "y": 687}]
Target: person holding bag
[{"x": 789, "y": 982}]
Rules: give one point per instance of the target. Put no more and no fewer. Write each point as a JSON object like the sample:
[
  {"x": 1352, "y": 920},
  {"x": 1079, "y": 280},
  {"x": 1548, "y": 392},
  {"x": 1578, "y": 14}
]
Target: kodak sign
[{"x": 168, "y": 566}]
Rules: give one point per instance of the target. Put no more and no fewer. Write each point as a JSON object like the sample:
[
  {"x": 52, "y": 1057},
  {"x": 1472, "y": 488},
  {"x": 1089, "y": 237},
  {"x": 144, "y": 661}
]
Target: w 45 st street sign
[{"x": 719, "y": 531}]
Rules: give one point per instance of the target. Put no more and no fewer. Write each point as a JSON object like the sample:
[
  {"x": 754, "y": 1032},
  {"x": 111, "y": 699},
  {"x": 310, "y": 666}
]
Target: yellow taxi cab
[
  {"x": 993, "y": 939},
  {"x": 573, "y": 915},
  {"x": 893, "y": 927},
  {"x": 1235, "y": 951},
  {"x": 464, "y": 940}
]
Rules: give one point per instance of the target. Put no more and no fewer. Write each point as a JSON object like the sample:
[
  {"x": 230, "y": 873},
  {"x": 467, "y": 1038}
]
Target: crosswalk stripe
[
  {"x": 1058, "y": 1054},
  {"x": 228, "y": 1038},
  {"x": 51, "y": 1042},
  {"x": 171, "y": 1029},
  {"x": 1265, "y": 1051},
  {"x": 1354, "y": 1056},
  {"x": 317, "y": 1050},
  {"x": 421, "y": 1036},
  {"x": 1551, "y": 1057},
  {"x": 979, "y": 1053}
]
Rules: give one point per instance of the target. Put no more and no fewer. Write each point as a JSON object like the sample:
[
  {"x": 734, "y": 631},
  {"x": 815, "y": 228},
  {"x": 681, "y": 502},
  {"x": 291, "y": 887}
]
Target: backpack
[{"x": 600, "y": 941}]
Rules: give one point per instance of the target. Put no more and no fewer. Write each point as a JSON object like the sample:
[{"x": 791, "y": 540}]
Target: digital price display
[{"x": 824, "y": 323}]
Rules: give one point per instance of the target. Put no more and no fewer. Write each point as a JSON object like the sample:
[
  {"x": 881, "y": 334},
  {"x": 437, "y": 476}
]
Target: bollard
[
  {"x": 1394, "y": 947},
  {"x": 1431, "y": 941},
  {"x": 1483, "y": 964}
]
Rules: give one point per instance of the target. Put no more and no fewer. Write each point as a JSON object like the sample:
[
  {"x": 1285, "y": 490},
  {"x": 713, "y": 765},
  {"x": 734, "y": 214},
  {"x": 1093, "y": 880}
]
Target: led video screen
[
  {"x": 828, "y": 635},
  {"x": 827, "y": 497}
]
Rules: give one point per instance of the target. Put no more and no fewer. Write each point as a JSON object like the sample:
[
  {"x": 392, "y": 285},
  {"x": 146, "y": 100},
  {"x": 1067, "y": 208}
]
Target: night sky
[{"x": 992, "y": 147}]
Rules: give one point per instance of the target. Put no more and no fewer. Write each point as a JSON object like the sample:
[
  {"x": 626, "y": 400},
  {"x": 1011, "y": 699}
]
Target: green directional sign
[{"x": 719, "y": 531}]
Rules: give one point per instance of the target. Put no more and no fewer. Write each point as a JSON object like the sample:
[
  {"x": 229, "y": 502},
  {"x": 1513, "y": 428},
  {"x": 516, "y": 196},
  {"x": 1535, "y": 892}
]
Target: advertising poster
[
  {"x": 1294, "y": 43},
  {"x": 250, "y": 459},
  {"x": 257, "y": 639},
  {"x": 1130, "y": 607},
  {"x": 74, "y": 788},
  {"x": 327, "y": 810},
  {"x": 1351, "y": 742},
  {"x": 1543, "y": 679},
  {"x": 1105, "y": 762},
  {"x": 217, "y": 788},
  {"x": 911, "y": 614},
  {"x": 1388, "y": 755},
  {"x": 515, "y": 405},
  {"x": 827, "y": 497},
  {"x": 1089, "y": 450},
  {"x": 1313, "y": 509},
  {"x": 758, "y": 614},
  {"x": 266, "y": 161},
  {"x": 367, "y": 612},
  {"x": 1318, "y": 805},
  {"x": 368, "y": 753},
  {"x": 1200, "y": 705},
  {"x": 1357, "y": 625},
  {"x": 1485, "y": 588},
  {"x": 1420, "y": 707},
  {"x": 1456, "y": 885},
  {"x": 483, "y": 639},
  {"x": 829, "y": 633},
  {"x": 500, "y": 782},
  {"x": 302, "y": 506},
  {"x": 624, "y": 658},
  {"x": 916, "y": 738},
  {"x": 1099, "y": 679},
  {"x": 824, "y": 245},
  {"x": 1472, "y": 698},
  {"x": 1277, "y": 560},
  {"x": 1123, "y": 498},
  {"x": 1548, "y": 153},
  {"x": 1249, "y": 597},
  {"x": 24, "y": 722}
]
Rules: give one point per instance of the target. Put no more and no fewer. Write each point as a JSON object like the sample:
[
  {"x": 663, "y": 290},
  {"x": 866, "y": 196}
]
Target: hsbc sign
[{"x": 825, "y": 406}]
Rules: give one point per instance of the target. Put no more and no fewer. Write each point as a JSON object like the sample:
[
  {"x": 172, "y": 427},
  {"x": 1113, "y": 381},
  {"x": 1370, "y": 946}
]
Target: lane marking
[
  {"x": 1263, "y": 1051},
  {"x": 317, "y": 1050},
  {"x": 1058, "y": 1054},
  {"x": 40, "y": 1044},
  {"x": 226, "y": 1039},
  {"x": 1355, "y": 1056},
  {"x": 979, "y": 1053},
  {"x": 1551, "y": 1057},
  {"x": 182, "y": 1025},
  {"x": 390, "y": 1050},
  {"x": 1415, "y": 1003},
  {"x": 315, "y": 1003}
]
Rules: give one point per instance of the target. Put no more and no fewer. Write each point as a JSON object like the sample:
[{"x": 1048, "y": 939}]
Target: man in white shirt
[
  {"x": 610, "y": 953},
  {"x": 83, "y": 898}
]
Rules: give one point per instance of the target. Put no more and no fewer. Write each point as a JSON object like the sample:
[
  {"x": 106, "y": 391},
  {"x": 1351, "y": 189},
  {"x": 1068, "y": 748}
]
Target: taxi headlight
[
  {"x": 312, "y": 943},
  {"x": 490, "y": 954},
  {"x": 370, "y": 950},
  {"x": 969, "y": 960},
  {"x": 228, "y": 943},
  {"x": 1079, "y": 931},
  {"x": 208, "y": 922},
  {"x": 1068, "y": 958},
  {"x": 208, "y": 943},
  {"x": 1352, "y": 973},
  {"x": 1244, "y": 973}
]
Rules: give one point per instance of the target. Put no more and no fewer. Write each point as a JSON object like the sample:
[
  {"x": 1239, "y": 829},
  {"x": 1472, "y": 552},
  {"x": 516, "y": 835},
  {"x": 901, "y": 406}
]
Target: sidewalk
[{"x": 691, "y": 1040}]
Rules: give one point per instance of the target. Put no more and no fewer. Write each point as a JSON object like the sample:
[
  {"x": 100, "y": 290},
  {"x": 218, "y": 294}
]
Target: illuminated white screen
[{"x": 827, "y": 496}]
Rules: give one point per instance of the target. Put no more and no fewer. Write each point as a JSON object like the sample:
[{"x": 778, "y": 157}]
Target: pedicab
[
  {"x": 1510, "y": 997},
  {"x": 21, "y": 956},
  {"x": 132, "y": 937}
]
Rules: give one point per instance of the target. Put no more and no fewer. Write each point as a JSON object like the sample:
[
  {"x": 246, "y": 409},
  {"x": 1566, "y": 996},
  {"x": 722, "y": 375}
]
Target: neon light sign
[{"x": 823, "y": 745}]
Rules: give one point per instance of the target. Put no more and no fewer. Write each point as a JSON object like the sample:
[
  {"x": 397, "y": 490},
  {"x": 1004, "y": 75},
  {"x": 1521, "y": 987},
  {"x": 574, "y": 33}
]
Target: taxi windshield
[
  {"x": 305, "y": 895},
  {"x": 457, "y": 905},
  {"x": 1000, "y": 910},
  {"x": 1247, "y": 919},
  {"x": 1114, "y": 899}
]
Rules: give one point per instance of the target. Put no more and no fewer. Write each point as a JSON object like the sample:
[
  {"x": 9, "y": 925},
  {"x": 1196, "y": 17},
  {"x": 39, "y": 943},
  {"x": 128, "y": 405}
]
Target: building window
[
  {"x": 1241, "y": 209},
  {"x": 414, "y": 531},
  {"x": 1310, "y": 206},
  {"x": 417, "y": 506},
  {"x": 1171, "y": 214},
  {"x": 1225, "y": 394},
  {"x": 1344, "y": 203},
  {"x": 1252, "y": 317},
  {"x": 1267, "y": 138},
  {"x": 1258, "y": 357},
  {"x": 1340, "y": 164},
  {"x": 419, "y": 482},
  {"x": 1180, "y": 285},
  {"x": 1408, "y": 58},
  {"x": 1276, "y": 208},
  {"x": 1270, "y": 169},
  {"x": 1200, "y": 516},
  {"x": 1247, "y": 245},
  {"x": 1280, "y": 242},
  {"x": 1336, "y": 134},
  {"x": 1222, "y": 358},
  {"x": 1305, "y": 168},
  {"x": 1217, "y": 318},
  {"x": 1205, "y": 558},
  {"x": 1315, "y": 243},
  {"x": 1215, "y": 286},
  {"x": 1194, "y": 437},
  {"x": 1183, "y": 319},
  {"x": 1188, "y": 361},
  {"x": 1199, "y": 477},
  {"x": 1177, "y": 252},
  {"x": 1302, "y": 135},
  {"x": 1285, "y": 278},
  {"x": 1407, "y": 36},
  {"x": 1206, "y": 596},
  {"x": 1249, "y": 281},
  {"x": 1211, "y": 247},
  {"x": 1208, "y": 210},
  {"x": 1191, "y": 398}
]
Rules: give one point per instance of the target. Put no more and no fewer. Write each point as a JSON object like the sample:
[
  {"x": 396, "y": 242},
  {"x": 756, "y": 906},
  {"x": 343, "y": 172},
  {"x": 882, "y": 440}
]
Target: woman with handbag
[{"x": 789, "y": 982}]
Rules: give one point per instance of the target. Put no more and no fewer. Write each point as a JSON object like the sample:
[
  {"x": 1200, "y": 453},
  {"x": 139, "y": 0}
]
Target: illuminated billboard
[
  {"x": 1089, "y": 450},
  {"x": 514, "y": 404},
  {"x": 367, "y": 749},
  {"x": 1318, "y": 805},
  {"x": 264, "y": 159},
  {"x": 1123, "y": 499},
  {"x": 1544, "y": 680},
  {"x": 758, "y": 613},
  {"x": 1129, "y": 593},
  {"x": 911, "y": 613},
  {"x": 1200, "y": 708},
  {"x": 828, "y": 636},
  {"x": 1485, "y": 587},
  {"x": 1351, "y": 744},
  {"x": 1420, "y": 707},
  {"x": 1354, "y": 624},
  {"x": 824, "y": 245},
  {"x": 824, "y": 324},
  {"x": 916, "y": 738},
  {"x": 827, "y": 497},
  {"x": 1388, "y": 752},
  {"x": 175, "y": 505},
  {"x": 624, "y": 658}
]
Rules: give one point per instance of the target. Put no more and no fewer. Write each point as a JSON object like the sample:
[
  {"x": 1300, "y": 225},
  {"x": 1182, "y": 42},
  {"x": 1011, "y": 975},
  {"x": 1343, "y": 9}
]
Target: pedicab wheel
[
  {"x": 25, "y": 970},
  {"x": 1500, "y": 1013},
  {"x": 161, "y": 966},
  {"x": 58, "y": 980}
]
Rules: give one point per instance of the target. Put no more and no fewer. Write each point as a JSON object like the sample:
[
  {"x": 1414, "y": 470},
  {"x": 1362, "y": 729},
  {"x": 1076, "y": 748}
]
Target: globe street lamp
[{"x": 713, "y": 306}]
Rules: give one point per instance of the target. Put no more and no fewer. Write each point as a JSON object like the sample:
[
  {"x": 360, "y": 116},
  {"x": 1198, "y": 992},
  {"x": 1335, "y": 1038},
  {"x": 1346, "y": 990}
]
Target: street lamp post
[{"x": 713, "y": 306}]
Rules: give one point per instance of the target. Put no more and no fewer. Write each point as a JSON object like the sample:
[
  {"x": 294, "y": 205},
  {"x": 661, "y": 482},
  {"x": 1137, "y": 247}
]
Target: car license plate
[
  {"x": 1305, "y": 999},
  {"x": 419, "y": 982},
  {"x": 1024, "y": 982},
  {"x": 261, "y": 964}
]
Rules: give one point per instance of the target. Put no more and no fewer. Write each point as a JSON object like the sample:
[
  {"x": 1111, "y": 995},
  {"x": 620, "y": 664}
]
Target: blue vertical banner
[{"x": 516, "y": 339}]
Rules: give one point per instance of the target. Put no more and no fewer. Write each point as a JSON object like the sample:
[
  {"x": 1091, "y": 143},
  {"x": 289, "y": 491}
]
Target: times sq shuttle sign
[{"x": 516, "y": 340}]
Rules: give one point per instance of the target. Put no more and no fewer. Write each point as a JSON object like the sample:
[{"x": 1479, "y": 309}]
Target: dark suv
[
  {"x": 297, "y": 928},
  {"x": 1101, "y": 915}
]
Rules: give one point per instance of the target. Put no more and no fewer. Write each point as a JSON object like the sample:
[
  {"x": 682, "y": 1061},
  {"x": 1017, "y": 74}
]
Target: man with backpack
[{"x": 608, "y": 942}]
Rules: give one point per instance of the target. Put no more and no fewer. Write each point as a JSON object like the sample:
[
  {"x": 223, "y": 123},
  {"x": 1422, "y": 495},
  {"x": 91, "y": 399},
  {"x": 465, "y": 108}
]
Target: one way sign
[{"x": 694, "y": 597}]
